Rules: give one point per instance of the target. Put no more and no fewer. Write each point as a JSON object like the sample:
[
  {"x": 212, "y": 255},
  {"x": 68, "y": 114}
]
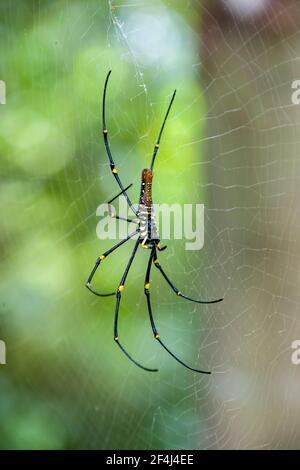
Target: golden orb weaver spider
[{"x": 148, "y": 237}]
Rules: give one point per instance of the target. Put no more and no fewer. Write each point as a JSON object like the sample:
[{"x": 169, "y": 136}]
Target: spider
[{"x": 147, "y": 237}]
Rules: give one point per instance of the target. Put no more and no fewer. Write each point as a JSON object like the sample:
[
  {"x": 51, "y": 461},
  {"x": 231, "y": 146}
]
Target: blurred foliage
[{"x": 65, "y": 384}]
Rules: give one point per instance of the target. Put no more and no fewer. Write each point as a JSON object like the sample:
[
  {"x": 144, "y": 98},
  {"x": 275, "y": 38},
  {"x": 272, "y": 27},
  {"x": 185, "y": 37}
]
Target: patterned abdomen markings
[{"x": 148, "y": 228}]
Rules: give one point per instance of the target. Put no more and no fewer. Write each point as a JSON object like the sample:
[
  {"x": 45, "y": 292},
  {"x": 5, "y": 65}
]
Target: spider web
[{"x": 231, "y": 142}]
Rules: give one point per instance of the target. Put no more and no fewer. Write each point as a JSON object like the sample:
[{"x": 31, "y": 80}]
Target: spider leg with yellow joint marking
[
  {"x": 153, "y": 326},
  {"x": 100, "y": 259},
  {"x": 113, "y": 168},
  {"x": 118, "y": 300}
]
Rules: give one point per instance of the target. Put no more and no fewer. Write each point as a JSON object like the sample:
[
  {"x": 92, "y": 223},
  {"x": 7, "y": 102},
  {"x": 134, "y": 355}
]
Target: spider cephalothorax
[{"x": 147, "y": 237}]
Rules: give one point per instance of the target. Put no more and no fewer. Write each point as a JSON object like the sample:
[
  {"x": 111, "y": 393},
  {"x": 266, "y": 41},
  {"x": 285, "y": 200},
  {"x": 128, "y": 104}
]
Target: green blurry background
[{"x": 230, "y": 143}]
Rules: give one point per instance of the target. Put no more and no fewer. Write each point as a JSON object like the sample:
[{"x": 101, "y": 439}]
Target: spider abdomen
[{"x": 148, "y": 229}]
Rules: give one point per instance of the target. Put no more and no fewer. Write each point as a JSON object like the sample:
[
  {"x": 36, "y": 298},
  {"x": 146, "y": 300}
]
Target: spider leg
[
  {"x": 118, "y": 297},
  {"x": 156, "y": 147},
  {"x": 119, "y": 194},
  {"x": 98, "y": 262},
  {"x": 161, "y": 248},
  {"x": 158, "y": 266},
  {"x": 111, "y": 212},
  {"x": 108, "y": 151},
  {"x": 155, "y": 332},
  {"x": 113, "y": 215}
]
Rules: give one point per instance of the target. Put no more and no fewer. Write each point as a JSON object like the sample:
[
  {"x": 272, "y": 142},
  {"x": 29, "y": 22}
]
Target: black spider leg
[
  {"x": 107, "y": 147},
  {"x": 155, "y": 332},
  {"x": 156, "y": 147},
  {"x": 180, "y": 294},
  {"x": 111, "y": 212},
  {"x": 118, "y": 296},
  {"x": 100, "y": 259}
]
